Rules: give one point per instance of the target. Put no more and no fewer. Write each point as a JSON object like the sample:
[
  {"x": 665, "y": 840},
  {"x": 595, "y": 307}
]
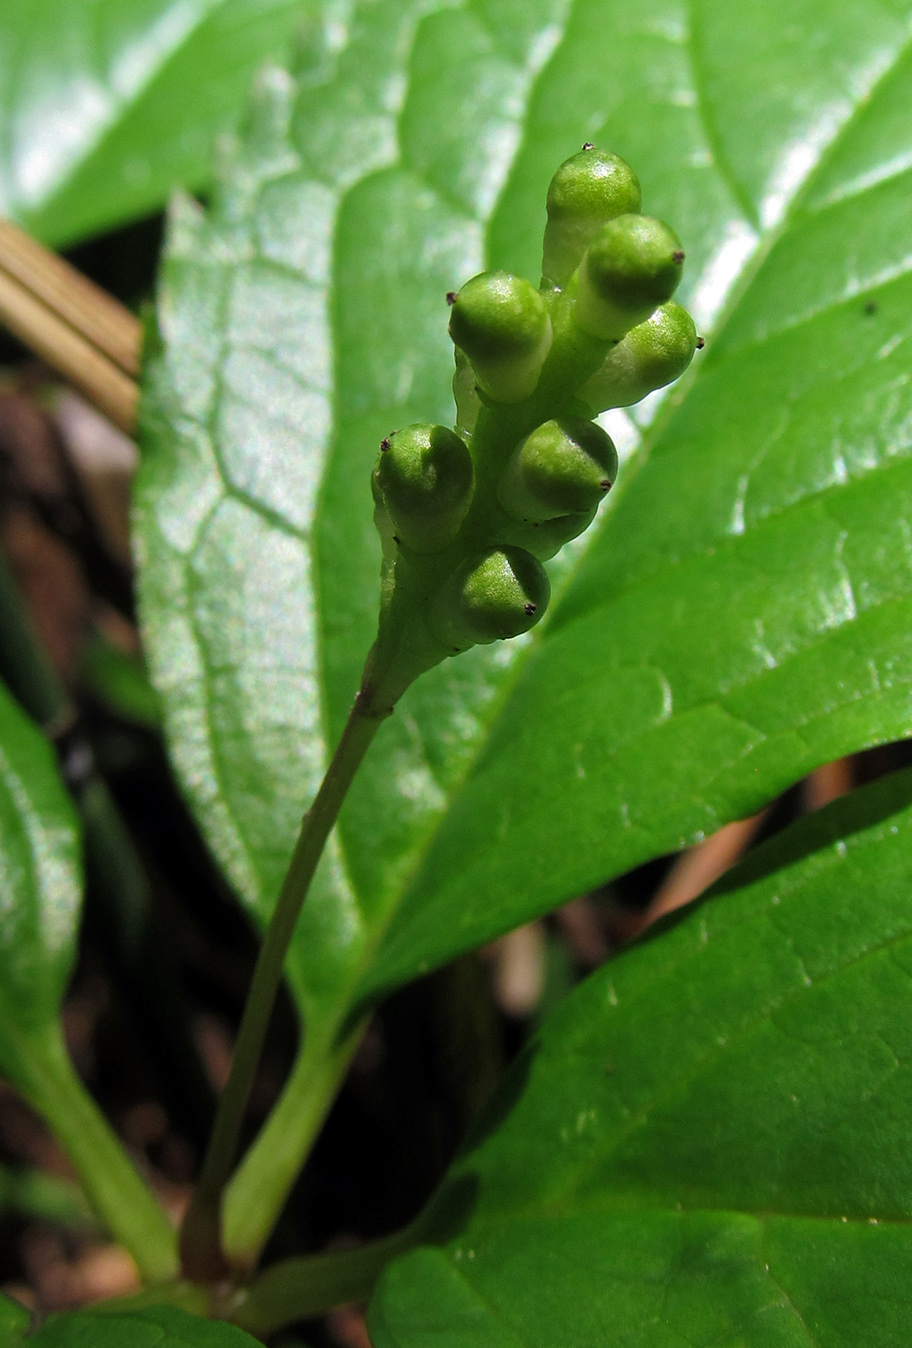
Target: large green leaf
[
  {"x": 105, "y": 106},
  {"x": 709, "y": 1143},
  {"x": 743, "y": 615},
  {"x": 150, "y": 1327},
  {"x": 40, "y": 889}
]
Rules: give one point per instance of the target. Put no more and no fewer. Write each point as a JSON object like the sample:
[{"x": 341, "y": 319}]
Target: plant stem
[
  {"x": 260, "y": 1185},
  {"x": 111, "y": 1182},
  {"x": 297, "y": 1289},
  {"x": 201, "y": 1233}
]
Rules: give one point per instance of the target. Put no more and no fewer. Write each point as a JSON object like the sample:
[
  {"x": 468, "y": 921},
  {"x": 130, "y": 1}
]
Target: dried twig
[
  {"x": 74, "y": 325},
  {"x": 696, "y": 869},
  {"x": 699, "y": 867}
]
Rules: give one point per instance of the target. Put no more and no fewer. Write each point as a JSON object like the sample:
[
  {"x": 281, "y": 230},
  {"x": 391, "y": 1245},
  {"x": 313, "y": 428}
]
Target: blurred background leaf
[{"x": 106, "y": 107}]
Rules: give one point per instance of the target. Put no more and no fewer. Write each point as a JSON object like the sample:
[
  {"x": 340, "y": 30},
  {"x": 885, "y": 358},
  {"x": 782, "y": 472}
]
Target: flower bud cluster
[{"x": 467, "y": 516}]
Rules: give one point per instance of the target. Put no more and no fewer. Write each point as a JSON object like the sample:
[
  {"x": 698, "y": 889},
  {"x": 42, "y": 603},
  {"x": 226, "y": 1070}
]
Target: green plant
[{"x": 707, "y": 1142}]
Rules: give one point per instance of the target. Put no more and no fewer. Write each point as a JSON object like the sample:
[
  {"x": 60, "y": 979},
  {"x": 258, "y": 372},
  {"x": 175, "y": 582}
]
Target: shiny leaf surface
[
  {"x": 741, "y": 616},
  {"x": 104, "y": 107},
  {"x": 708, "y": 1143}
]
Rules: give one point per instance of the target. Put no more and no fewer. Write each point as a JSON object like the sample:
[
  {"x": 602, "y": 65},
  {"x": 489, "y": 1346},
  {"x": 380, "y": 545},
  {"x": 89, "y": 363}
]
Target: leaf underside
[
  {"x": 708, "y": 1144},
  {"x": 743, "y": 613}
]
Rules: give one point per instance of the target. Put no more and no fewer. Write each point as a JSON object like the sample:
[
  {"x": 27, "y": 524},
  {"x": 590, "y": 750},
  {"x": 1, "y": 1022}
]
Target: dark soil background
[{"x": 166, "y": 954}]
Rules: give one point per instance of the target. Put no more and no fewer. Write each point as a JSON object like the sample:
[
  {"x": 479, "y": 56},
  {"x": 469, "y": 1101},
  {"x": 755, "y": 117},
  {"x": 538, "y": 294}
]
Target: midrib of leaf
[
  {"x": 546, "y": 1216},
  {"x": 119, "y": 105},
  {"x": 740, "y": 289}
]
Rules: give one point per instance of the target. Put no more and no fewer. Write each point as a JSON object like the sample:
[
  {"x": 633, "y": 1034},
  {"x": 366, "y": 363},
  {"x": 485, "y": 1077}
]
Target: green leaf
[
  {"x": 743, "y": 614},
  {"x": 708, "y": 1145},
  {"x": 151, "y": 1327},
  {"x": 40, "y": 902},
  {"x": 104, "y": 107},
  {"x": 41, "y": 886}
]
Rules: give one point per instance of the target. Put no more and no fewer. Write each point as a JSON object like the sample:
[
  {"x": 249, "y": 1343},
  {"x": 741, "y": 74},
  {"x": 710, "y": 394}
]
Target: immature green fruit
[
  {"x": 632, "y": 265},
  {"x": 565, "y": 467},
  {"x": 587, "y": 191},
  {"x": 500, "y": 594},
  {"x": 425, "y": 477},
  {"x": 652, "y": 355},
  {"x": 545, "y": 539},
  {"x": 502, "y": 324}
]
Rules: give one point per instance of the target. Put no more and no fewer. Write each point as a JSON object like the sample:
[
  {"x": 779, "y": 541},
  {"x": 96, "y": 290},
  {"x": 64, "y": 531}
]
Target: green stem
[
  {"x": 261, "y": 1183},
  {"x": 405, "y": 647},
  {"x": 111, "y": 1182},
  {"x": 297, "y": 1289},
  {"x": 201, "y": 1233}
]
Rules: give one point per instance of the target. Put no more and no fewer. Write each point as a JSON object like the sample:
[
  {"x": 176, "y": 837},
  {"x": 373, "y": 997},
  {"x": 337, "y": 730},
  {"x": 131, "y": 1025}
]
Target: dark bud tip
[
  {"x": 529, "y": 609},
  {"x": 701, "y": 342},
  {"x": 451, "y": 297},
  {"x": 397, "y": 539},
  {"x": 588, "y": 145},
  {"x": 605, "y": 484},
  {"x": 384, "y": 444},
  {"x": 678, "y": 255}
]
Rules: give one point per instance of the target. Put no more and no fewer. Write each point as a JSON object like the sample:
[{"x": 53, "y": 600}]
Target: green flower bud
[
  {"x": 652, "y": 355},
  {"x": 545, "y": 539},
  {"x": 564, "y": 467},
  {"x": 426, "y": 478},
  {"x": 502, "y": 324},
  {"x": 500, "y": 594},
  {"x": 587, "y": 191},
  {"x": 632, "y": 265}
]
